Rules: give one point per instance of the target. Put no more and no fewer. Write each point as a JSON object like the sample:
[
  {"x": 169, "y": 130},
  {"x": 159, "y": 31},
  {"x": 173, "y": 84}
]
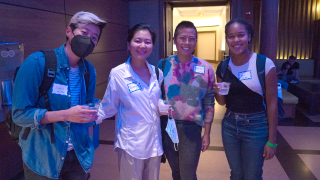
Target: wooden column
[{"x": 269, "y": 29}]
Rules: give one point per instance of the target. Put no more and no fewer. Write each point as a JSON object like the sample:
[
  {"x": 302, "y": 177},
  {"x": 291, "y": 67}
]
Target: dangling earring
[{"x": 249, "y": 40}]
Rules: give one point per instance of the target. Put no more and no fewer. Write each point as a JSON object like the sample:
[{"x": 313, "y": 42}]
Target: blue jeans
[
  {"x": 184, "y": 162},
  {"x": 71, "y": 170},
  {"x": 244, "y": 137},
  {"x": 289, "y": 78}
]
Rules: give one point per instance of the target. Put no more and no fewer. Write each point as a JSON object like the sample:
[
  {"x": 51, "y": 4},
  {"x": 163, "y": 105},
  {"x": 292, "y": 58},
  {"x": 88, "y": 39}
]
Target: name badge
[
  {"x": 60, "y": 89},
  {"x": 135, "y": 86},
  {"x": 198, "y": 69},
  {"x": 245, "y": 75}
]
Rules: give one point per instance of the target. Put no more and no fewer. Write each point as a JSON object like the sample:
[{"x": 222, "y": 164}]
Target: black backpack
[
  {"x": 261, "y": 61},
  {"x": 47, "y": 81}
]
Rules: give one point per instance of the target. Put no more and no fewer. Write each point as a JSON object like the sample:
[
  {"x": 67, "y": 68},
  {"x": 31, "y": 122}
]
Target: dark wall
[
  {"x": 147, "y": 11},
  {"x": 41, "y": 24}
]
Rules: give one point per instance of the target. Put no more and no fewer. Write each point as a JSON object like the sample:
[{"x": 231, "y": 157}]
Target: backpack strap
[
  {"x": 87, "y": 74},
  {"x": 261, "y": 63},
  {"x": 87, "y": 77},
  {"x": 162, "y": 84},
  {"x": 224, "y": 67},
  {"x": 47, "y": 81},
  {"x": 49, "y": 73},
  {"x": 157, "y": 72}
]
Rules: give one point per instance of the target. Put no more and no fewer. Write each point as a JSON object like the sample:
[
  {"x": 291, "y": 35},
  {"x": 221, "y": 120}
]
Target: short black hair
[
  {"x": 185, "y": 24},
  {"x": 244, "y": 22},
  {"x": 138, "y": 27},
  {"x": 292, "y": 57}
]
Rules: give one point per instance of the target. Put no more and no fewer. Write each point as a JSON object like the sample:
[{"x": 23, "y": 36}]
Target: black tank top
[{"x": 240, "y": 98}]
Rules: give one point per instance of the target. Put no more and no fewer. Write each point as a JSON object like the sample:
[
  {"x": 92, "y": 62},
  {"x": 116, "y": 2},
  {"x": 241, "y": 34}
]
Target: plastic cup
[
  {"x": 164, "y": 107},
  {"x": 94, "y": 106},
  {"x": 224, "y": 87}
]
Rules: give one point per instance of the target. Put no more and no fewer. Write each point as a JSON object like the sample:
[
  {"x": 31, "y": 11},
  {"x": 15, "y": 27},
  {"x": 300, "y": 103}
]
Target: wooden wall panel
[
  {"x": 114, "y": 11},
  {"x": 113, "y": 38},
  {"x": 295, "y": 33},
  {"x": 103, "y": 63},
  {"x": 46, "y": 5},
  {"x": 36, "y": 29},
  {"x": 100, "y": 90}
]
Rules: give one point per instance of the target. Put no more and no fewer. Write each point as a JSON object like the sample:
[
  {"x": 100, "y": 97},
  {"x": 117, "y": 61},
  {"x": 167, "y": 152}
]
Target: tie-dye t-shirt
[{"x": 189, "y": 89}]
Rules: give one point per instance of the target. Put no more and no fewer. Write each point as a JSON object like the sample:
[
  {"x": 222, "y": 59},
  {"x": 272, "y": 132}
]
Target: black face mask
[{"x": 82, "y": 46}]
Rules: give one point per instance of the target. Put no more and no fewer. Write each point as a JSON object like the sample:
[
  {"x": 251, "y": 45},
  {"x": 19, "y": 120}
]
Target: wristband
[{"x": 271, "y": 145}]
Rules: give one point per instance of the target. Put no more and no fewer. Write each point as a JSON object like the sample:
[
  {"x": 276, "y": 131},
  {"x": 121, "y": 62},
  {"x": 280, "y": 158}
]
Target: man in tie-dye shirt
[{"x": 188, "y": 84}]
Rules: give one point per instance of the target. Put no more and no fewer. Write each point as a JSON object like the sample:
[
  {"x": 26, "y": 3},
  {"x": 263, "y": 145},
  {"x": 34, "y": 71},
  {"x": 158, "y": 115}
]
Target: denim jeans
[
  {"x": 184, "y": 162},
  {"x": 71, "y": 170},
  {"x": 289, "y": 78},
  {"x": 244, "y": 137}
]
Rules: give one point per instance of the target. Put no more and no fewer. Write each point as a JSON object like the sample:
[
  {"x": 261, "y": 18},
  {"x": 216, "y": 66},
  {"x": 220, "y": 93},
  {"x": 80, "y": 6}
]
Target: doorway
[
  {"x": 206, "y": 46},
  {"x": 209, "y": 19}
]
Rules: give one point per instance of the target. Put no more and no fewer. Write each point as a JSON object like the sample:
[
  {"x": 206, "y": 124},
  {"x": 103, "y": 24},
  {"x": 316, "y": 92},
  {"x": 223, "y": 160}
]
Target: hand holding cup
[{"x": 221, "y": 87}]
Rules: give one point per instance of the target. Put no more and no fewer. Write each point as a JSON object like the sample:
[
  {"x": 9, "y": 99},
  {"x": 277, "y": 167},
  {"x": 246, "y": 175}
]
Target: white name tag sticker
[
  {"x": 60, "y": 89},
  {"x": 245, "y": 75},
  {"x": 199, "y": 69},
  {"x": 135, "y": 86}
]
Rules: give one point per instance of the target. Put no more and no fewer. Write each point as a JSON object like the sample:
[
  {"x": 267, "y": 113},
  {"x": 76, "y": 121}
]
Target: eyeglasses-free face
[
  {"x": 186, "y": 41},
  {"x": 141, "y": 45},
  {"x": 237, "y": 38}
]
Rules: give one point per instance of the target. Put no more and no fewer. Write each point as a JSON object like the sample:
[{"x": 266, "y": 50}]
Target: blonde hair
[{"x": 83, "y": 18}]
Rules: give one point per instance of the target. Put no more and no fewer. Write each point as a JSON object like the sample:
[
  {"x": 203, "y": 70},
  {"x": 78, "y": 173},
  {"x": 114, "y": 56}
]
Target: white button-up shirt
[{"x": 135, "y": 103}]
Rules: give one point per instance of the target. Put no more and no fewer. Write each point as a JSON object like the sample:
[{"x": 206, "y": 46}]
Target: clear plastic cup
[
  {"x": 164, "y": 107},
  {"x": 94, "y": 106},
  {"x": 224, "y": 87}
]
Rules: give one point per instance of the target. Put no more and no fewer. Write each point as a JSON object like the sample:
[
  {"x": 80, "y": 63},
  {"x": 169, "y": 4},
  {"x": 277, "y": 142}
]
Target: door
[{"x": 206, "y": 45}]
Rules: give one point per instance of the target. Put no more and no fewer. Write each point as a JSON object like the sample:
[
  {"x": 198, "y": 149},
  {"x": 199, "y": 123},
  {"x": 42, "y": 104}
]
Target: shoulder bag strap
[
  {"x": 224, "y": 67},
  {"x": 47, "y": 81},
  {"x": 162, "y": 84}
]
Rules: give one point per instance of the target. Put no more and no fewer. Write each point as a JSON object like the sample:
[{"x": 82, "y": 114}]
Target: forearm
[
  {"x": 220, "y": 99},
  {"x": 207, "y": 128},
  {"x": 272, "y": 114},
  {"x": 54, "y": 116}
]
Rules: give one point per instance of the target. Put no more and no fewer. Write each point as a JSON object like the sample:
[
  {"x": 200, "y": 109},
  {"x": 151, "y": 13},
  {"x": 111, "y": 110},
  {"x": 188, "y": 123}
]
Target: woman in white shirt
[{"x": 132, "y": 95}]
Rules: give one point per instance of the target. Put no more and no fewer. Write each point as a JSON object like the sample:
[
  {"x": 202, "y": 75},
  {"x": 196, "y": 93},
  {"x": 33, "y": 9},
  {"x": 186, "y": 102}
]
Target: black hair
[
  {"x": 244, "y": 22},
  {"x": 138, "y": 27},
  {"x": 184, "y": 24},
  {"x": 292, "y": 57}
]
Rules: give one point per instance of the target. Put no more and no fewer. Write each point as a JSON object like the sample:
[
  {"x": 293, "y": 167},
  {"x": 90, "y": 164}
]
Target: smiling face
[
  {"x": 237, "y": 38},
  {"x": 186, "y": 41},
  {"x": 140, "y": 45}
]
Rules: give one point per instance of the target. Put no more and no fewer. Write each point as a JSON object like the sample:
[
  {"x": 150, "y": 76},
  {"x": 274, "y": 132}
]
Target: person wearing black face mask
[
  {"x": 82, "y": 46},
  {"x": 70, "y": 155}
]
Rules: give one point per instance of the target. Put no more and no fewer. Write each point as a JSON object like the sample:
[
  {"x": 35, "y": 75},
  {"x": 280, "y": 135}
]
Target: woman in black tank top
[{"x": 249, "y": 126}]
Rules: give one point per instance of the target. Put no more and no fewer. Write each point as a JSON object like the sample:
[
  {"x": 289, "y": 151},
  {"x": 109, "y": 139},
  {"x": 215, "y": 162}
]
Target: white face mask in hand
[{"x": 172, "y": 132}]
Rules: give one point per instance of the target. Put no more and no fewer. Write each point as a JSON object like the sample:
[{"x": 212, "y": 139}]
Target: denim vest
[{"x": 38, "y": 153}]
